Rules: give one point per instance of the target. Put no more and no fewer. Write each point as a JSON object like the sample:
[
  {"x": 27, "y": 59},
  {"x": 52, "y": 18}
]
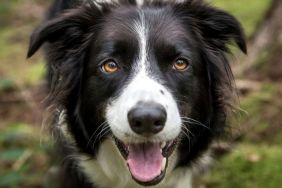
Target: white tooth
[
  {"x": 163, "y": 145},
  {"x": 163, "y": 164}
]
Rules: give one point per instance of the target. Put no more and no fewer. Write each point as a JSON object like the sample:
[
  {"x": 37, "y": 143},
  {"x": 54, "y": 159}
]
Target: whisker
[
  {"x": 105, "y": 130},
  {"x": 193, "y": 121},
  {"x": 92, "y": 136},
  {"x": 187, "y": 134},
  {"x": 188, "y": 131}
]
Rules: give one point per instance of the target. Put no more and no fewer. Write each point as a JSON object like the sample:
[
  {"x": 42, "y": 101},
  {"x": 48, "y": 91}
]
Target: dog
[{"x": 139, "y": 89}]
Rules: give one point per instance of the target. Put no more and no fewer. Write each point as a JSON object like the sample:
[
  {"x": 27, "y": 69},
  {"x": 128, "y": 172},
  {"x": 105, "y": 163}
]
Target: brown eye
[
  {"x": 181, "y": 64},
  {"x": 110, "y": 67}
]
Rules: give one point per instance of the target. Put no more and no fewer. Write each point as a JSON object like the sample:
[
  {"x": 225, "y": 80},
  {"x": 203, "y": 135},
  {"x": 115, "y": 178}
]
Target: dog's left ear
[{"x": 217, "y": 28}]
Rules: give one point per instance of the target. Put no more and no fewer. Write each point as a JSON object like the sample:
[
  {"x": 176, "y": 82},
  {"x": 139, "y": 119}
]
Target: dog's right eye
[{"x": 110, "y": 67}]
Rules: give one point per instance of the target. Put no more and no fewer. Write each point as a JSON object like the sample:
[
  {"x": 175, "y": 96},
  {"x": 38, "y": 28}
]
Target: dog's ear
[
  {"x": 47, "y": 32},
  {"x": 217, "y": 28},
  {"x": 74, "y": 22}
]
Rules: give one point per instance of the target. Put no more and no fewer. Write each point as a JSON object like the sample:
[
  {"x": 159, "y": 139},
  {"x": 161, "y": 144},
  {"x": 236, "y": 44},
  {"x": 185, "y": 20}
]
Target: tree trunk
[{"x": 268, "y": 33}]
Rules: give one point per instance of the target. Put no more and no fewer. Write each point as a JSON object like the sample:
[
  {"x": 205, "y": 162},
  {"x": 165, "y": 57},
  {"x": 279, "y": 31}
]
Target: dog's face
[
  {"x": 150, "y": 78},
  {"x": 139, "y": 64}
]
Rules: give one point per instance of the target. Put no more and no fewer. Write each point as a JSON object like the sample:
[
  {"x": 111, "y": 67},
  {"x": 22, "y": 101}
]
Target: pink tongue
[{"x": 145, "y": 161}]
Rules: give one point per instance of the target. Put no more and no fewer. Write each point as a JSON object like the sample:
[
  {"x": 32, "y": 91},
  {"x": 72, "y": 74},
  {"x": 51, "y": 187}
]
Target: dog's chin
[{"x": 147, "y": 162}]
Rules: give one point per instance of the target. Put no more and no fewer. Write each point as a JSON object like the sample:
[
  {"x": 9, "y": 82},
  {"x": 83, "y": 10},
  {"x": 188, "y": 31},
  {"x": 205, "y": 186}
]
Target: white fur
[
  {"x": 141, "y": 2},
  {"x": 138, "y": 2},
  {"x": 142, "y": 87}
]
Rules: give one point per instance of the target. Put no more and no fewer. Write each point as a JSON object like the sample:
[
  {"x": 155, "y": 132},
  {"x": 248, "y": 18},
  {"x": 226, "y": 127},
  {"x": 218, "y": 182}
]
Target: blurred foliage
[
  {"x": 6, "y": 85},
  {"x": 249, "y": 166},
  {"x": 24, "y": 161},
  {"x": 5, "y": 10},
  {"x": 255, "y": 161},
  {"x": 16, "y": 24}
]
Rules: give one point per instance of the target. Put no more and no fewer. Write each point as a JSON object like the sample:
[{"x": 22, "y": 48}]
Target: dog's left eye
[
  {"x": 180, "y": 64},
  {"x": 110, "y": 67}
]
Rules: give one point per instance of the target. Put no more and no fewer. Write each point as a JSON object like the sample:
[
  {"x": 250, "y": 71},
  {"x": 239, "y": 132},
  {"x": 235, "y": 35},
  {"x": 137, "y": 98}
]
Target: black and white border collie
[{"x": 139, "y": 88}]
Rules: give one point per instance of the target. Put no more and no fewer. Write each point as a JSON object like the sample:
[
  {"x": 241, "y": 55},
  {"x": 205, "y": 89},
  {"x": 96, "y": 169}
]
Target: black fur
[{"x": 78, "y": 38}]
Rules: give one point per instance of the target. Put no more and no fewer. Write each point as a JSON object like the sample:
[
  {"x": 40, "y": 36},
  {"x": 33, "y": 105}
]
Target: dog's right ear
[
  {"x": 77, "y": 22},
  {"x": 46, "y": 32}
]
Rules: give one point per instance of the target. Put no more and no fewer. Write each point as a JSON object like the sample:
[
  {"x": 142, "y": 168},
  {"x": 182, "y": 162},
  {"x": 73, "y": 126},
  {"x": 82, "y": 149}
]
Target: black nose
[{"x": 147, "y": 118}]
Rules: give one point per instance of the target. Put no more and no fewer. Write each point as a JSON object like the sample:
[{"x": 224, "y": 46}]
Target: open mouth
[{"x": 147, "y": 162}]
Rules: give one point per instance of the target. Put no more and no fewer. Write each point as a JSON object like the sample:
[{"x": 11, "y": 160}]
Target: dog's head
[{"x": 151, "y": 76}]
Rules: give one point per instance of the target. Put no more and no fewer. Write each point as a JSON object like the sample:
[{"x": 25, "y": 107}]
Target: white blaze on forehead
[
  {"x": 142, "y": 32},
  {"x": 138, "y": 2},
  {"x": 99, "y": 2},
  {"x": 104, "y": 1},
  {"x": 141, "y": 2}
]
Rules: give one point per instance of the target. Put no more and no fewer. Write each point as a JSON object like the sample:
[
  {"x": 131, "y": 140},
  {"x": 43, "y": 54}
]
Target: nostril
[
  {"x": 159, "y": 123},
  {"x": 138, "y": 123}
]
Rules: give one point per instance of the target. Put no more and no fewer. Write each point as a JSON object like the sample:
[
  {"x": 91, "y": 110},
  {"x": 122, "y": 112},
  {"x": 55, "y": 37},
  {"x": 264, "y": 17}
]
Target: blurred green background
[{"x": 253, "y": 156}]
